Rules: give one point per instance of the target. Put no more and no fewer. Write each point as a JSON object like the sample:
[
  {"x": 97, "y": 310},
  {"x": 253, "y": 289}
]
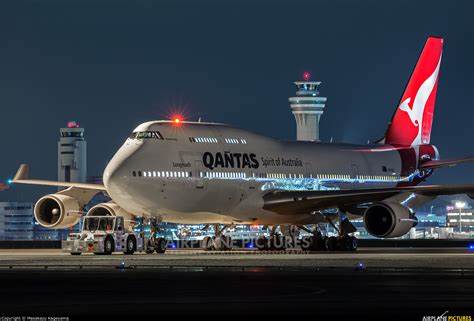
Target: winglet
[{"x": 22, "y": 173}]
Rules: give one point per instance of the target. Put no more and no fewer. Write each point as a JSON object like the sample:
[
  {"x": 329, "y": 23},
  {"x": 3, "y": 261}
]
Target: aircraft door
[
  {"x": 199, "y": 174},
  {"x": 251, "y": 180}
]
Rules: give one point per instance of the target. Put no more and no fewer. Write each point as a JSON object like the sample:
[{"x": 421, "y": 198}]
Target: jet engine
[
  {"x": 57, "y": 211},
  {"x": 386, "y": 220},
  {"x": 111, "y": 209}
]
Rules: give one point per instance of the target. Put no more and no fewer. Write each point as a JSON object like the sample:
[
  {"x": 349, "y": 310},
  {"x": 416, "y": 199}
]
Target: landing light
[{"x": 9, "y": 181}]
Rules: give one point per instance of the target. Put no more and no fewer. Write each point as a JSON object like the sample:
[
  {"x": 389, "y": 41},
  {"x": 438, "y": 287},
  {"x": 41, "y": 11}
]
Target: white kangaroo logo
[{"x": 416, "y": 113}]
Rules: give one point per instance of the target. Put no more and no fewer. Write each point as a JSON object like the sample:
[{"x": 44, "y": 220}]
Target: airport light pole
[{"x": 460, "y": 205}]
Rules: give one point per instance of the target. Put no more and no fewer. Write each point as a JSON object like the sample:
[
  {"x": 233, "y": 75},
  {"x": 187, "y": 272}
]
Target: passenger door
[{"x": 199, "y": 174}]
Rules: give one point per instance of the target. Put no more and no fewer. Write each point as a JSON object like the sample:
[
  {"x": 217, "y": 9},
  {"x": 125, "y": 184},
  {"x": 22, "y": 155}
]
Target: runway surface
[
  {"x": 389, "y": 284},
  {"x": 370, "y": 257}
]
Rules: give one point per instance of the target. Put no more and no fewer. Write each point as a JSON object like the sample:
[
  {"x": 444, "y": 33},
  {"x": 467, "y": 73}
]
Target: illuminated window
[
  {"x": 154, "y": 174},
  {"x": 144, "y": 174}
]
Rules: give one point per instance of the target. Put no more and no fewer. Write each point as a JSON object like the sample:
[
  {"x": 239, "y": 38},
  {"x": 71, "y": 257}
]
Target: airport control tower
[
  {"x": 72, "y": 148},
  {"x": 308, "y": 108}
]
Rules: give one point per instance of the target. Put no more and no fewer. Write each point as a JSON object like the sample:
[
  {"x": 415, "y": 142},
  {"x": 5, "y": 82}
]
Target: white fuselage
[{"x": 213, "y": 173}]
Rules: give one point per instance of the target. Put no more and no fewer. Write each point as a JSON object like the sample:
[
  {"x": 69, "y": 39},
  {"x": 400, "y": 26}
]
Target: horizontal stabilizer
[{"x": 433, "y": 164}]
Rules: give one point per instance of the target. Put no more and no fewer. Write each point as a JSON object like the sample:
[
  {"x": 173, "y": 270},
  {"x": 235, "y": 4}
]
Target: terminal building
[
  {"x": 16, "y": 221},
  {"x": 460, "y": 217}
]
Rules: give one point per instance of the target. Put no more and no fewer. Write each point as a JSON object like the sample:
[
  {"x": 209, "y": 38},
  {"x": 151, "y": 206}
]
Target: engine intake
[
  {"x": 111, "y": 209},
  {"x": 57, "y": 211},
  {"x": 386, "y": 220}
]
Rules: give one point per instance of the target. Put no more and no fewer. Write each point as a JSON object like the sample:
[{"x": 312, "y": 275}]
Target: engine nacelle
[
  {"x": 57, "y": 211},
  {"x": 387, "y": 220},
  {"x": 112, "y": 209}
]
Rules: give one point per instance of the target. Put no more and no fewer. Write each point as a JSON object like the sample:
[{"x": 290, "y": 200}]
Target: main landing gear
[
  {"x": 275, "y": 242},
  {"x": 218, "y": 242},
  {"x": 342, "y": 242},
  {"x": 315, "y": 242}
]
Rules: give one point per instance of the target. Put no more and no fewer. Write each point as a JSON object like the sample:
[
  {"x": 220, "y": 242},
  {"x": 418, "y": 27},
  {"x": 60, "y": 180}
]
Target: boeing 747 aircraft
[{"x": 216, "y": 174}]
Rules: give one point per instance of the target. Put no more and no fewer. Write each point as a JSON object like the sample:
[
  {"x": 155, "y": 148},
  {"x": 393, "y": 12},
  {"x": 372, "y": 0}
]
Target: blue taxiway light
[
  {"x": 470, "y": 247},
  {"x": 250, "y": 246},
  {"x": 360, "y": 266}
]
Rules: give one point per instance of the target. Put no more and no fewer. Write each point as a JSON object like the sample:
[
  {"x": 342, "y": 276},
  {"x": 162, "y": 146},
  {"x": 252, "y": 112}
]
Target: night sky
[{"x": 111, "y": 65}]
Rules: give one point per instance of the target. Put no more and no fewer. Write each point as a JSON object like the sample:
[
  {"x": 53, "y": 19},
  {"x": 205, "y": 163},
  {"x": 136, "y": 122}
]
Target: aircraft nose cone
[{"x": 115, "y": 175}]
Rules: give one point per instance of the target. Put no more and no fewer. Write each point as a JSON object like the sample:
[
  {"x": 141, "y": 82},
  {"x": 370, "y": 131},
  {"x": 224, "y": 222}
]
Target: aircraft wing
[
  {"x": 21, "y": 177},
  {"x": 305, "y": 202}
]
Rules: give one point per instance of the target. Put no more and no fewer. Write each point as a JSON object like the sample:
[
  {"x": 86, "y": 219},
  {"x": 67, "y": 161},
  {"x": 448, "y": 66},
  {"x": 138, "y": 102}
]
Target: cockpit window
[{"x": 146, "y": 135}]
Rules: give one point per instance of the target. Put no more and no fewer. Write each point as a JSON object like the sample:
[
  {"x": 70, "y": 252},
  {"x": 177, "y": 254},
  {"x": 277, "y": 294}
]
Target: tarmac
[
  {"x": 385, "y": 284},
  {"x": 426, "y": 258}
]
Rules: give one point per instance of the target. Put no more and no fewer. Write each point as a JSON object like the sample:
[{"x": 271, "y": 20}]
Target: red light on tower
[
  {"x": 306, "y": 76},
  {"x": 72, "y": 124}
]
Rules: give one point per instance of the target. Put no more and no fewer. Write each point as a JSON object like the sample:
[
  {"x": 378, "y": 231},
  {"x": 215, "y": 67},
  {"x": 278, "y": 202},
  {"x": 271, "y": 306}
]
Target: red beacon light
[
  {"x": 72, "y": 124},
  {"x": 306, "y": 76},
  {"x": 176, "y": 120}
]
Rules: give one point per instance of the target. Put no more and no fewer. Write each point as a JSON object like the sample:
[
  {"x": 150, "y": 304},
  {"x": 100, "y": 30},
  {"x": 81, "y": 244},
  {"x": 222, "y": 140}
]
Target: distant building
[
  {"x": 16, "y": 221},
  {"x": 460, "y": 219},
  {"x": 72, "y": 154},
  {"x": 307, "y": 107}
]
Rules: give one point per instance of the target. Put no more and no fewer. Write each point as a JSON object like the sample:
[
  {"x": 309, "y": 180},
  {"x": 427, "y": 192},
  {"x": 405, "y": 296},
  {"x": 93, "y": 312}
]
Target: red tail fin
[{"x": 411, "y": 124}]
